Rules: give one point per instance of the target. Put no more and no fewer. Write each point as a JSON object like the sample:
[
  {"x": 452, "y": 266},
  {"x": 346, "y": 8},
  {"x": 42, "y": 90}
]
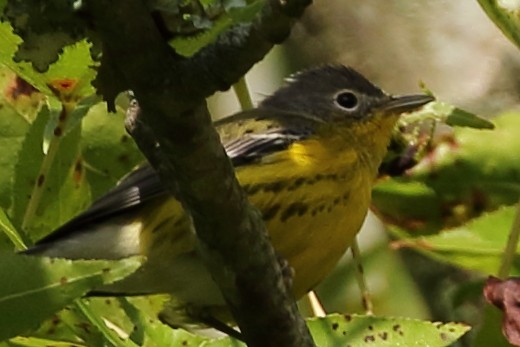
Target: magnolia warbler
[{"x": 307, "y": 157}]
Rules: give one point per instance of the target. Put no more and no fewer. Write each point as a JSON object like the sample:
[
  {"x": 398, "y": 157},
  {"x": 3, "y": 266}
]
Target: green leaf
[
  {"x": 72, "y": 74},
  {"x": 46, "y": 30},
  {"x": 8, "y": 229},
  {"x": 471, "y": 159},
  {"x": 151, "y": 332},
  {"x": 462, "y": 118},
  {"x": 356, "y": 330},
  {"x": 21, "y": 341},
  {"x": 477, "y": 245},
  {"x": 243, "y": 14},
  {"x": 189, "y": 45},
  {"x": 411, "y": 205},
  {"x": 81, "y": 108},
  {"x": 464, "y": 174},
  {"x": 41, "y": 286},
  {"x": 18, "y": 107},
  {"x": 70, "y": 325},
  {"x": 108, "y": 151},
  {"x": 449, "y": 114},
  {"x": 110, "y": 334},
  {"x": 62, "y": 191},
  {"x": 506, "y": 17}
]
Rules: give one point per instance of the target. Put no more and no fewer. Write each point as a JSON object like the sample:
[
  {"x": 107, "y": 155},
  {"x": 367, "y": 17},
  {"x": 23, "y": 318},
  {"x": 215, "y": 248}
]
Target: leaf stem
[
  {"x": 112, "y": 337},
  {"x": 360, "y": 278},
  {"x": 48, "y": 160},
  {"x": 10, "y": 231},
  {"x": 511, "y": 246},
  {"x": 243, "y": 95},
  {"x": 314, "y": 304}
]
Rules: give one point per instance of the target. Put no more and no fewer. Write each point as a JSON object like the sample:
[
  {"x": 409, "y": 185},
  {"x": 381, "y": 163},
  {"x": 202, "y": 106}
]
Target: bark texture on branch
[{"x": 190, "y": 159}]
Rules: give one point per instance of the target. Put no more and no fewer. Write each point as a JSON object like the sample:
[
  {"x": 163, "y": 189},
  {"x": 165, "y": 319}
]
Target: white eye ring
[{"x": 347, "y": 100}]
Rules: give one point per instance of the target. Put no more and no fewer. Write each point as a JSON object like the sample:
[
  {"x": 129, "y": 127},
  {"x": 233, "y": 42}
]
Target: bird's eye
[{"x": 347, "y": 100}]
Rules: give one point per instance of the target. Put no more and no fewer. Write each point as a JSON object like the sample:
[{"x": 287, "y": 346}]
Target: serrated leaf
[
  {"x": 71, "y": 75},
  {"x": 45, "y": 29},
  {"x": 358, "y": 331},
  {"x": 477, "y": 245},
  {"x": 41, "y": 286},
  {"x": 150, "y": 332},
  {"x": 66, "y": 190}
]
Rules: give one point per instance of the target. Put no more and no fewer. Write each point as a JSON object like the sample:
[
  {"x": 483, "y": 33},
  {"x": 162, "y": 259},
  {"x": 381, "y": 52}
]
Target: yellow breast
[{"x": 314, "y": 202}]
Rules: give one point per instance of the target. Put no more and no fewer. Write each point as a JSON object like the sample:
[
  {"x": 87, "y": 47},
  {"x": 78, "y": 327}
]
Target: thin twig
[
  {"x": 511, "y": 246},
  {"x": 243, "y": 95},
  {"x": 315, "y": 304},
  {"x": 45, "y": 167},
  {"x": 360, "y": 278}
]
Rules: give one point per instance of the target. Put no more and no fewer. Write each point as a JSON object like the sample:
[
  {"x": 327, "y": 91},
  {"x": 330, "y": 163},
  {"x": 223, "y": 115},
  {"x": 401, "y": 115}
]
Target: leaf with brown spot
[
  {"x": 62, "y": 87},
  {"x": 358, "y": 330}
]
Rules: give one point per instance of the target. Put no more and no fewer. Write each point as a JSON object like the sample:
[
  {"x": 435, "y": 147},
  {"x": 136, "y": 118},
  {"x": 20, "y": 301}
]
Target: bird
[{"x": 307, "y": 157}]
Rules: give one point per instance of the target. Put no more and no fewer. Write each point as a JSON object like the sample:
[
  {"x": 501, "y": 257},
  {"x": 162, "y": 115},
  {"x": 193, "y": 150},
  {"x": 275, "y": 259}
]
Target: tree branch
[{"x": 190, "y": 159}]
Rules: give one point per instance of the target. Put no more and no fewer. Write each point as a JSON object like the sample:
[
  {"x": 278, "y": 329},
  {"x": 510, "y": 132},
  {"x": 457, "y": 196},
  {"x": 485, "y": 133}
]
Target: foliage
[{"x": 451, "y": 198}]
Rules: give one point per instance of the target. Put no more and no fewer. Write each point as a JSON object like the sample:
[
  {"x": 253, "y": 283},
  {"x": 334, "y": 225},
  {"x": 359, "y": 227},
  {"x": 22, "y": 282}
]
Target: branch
[{"x": 190, "y": 159}]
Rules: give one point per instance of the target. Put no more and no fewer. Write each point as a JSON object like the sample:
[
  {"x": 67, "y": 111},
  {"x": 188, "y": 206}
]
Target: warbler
[{"x": 307, "y": 157}]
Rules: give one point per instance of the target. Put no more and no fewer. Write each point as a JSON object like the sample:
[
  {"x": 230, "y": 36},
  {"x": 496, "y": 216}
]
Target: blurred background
[{"x": 451, "y": 46}]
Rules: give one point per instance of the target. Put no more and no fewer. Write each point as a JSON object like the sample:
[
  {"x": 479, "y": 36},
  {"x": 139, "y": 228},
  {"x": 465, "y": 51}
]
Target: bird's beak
[{"x": 404, "y": 103}]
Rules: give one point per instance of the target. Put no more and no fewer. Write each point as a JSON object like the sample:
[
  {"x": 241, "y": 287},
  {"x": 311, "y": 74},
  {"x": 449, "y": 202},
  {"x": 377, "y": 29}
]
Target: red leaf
[{"x": 506, "y": 296}]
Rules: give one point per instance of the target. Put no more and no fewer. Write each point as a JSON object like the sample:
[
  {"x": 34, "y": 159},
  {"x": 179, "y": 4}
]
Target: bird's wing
[
  {"x": 253, "y": 134},
  {"x": 246, "y": 139},
  {"x": 139, "y": 186}
]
